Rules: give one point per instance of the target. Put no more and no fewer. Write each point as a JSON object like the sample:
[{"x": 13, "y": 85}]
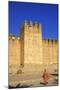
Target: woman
[{"x": 45, "y": 77}]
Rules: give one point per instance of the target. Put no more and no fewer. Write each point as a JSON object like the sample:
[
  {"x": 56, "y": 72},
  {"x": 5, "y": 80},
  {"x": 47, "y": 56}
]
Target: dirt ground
[{"x": 31, "y": 75}]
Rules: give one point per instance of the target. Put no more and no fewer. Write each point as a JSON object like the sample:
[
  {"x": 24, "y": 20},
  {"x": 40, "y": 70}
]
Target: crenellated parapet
[
  {"x": 14, "y": 38},
  {"x": 30, "y": 26},
  {"x": 50, "y": 41}
]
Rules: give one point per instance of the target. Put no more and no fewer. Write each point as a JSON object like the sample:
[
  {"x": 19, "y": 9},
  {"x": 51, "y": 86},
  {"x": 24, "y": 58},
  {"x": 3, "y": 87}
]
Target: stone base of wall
[{"x": 32, "y": 68}]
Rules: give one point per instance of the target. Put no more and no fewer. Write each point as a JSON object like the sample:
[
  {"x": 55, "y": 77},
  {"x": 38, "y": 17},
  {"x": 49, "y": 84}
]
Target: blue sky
[{"x": 46, "y": 14}]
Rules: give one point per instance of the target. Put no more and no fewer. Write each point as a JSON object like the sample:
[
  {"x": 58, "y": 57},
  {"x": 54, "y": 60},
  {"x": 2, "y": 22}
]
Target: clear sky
[{"x": 46, "y": 14}]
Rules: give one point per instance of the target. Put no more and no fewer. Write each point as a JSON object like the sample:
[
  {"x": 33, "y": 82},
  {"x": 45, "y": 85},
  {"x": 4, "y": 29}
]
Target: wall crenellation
[
  {"x": 31, "y": 24},
  {"x": 14, "y": 38}
]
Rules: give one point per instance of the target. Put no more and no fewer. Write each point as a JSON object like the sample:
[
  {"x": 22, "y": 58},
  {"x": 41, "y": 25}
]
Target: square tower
[{"x": 32, "y": 43}]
